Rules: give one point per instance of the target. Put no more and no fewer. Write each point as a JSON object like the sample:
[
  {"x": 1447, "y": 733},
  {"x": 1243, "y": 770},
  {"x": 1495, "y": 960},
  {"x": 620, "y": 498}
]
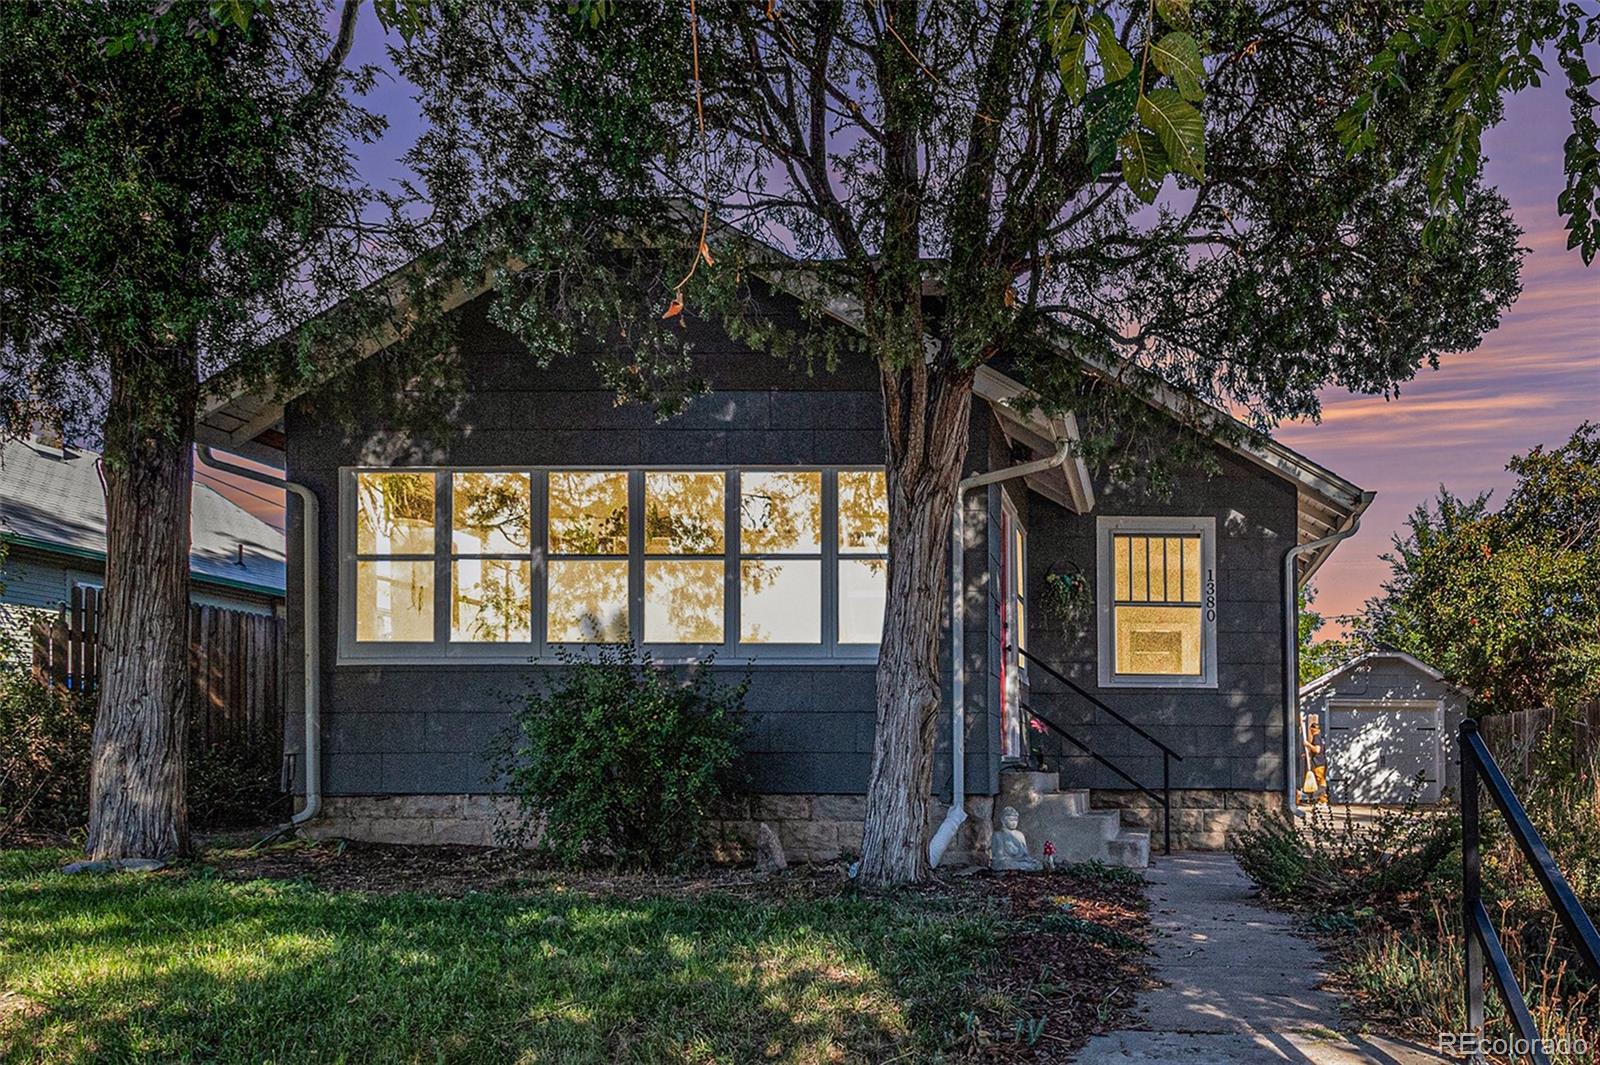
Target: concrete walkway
[{"x": 1239, "y": 987}]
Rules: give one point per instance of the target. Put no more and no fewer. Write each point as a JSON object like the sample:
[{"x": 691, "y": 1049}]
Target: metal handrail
[
  {"x": 1167, "y": 753},
  {"x": 1479, "y": 767},
  {"x": 1055, "y": 675}
]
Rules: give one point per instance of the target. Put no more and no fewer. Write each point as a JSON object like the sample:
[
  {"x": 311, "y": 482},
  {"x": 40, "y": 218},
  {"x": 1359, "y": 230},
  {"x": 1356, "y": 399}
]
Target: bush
[
  {"x": 45, "y": 737},
  {"x": 1331, "y": 867},
  {"x": 235, "y": 783},
  {"x": 1388, "y": 895},
  {"x": 620, "y": 759}
]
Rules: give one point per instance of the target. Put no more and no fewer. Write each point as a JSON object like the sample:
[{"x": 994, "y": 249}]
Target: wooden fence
[
  {"x": 235, "y": 666},
  {"x": 1515, "y": 739}
]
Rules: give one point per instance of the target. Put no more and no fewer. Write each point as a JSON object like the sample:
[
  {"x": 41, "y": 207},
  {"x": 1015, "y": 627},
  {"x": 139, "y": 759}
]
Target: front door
[{"x": 1013, "y": 631}]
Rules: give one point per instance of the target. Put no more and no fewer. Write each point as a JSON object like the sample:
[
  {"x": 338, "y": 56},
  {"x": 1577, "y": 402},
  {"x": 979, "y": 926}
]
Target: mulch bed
[{"x": 1079, "y": 973}]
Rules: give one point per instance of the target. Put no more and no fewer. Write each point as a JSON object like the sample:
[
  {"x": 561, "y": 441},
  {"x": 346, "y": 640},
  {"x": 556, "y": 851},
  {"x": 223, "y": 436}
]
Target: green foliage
[
  {"x": 177, "y": 176},
  {"x": 1170, "y": 133},
  {"x": 45, "y": 733},
  {"x": 1389, "y": 898},
  {"x": 1504, "y": 601},
  {"x": 1287, "y": 266},
  {"x": 1318, "y": 656},
  {"x": 1465, "y": 58},
  {"x": 1351, "y": 867},
  {"x": 44, "y": 756},
  {"x": 620, "y": 759}
]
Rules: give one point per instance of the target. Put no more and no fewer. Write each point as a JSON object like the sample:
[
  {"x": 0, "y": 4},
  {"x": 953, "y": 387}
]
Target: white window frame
[
  {"x": 539, "y": 650},
  {"x": 1108, "y": 527},
  {"x": 1013, "y": 557}
]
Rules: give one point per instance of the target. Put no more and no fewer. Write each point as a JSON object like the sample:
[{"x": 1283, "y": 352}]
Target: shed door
[{"x": 1377, "y": 752}]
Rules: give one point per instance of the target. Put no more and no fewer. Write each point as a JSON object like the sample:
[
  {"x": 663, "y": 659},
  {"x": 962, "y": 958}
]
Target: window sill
[
  {"x": 355, "y": 662},
  {"x": 1158, "y": 682}
]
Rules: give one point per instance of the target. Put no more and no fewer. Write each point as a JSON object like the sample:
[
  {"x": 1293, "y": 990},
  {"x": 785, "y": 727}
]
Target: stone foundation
[
  {"x": 1203, "y": 819},
  {"x": 826, "y": 828},
  {"x": 812, "y": 828},
  {"x": 422, "y": 820}
]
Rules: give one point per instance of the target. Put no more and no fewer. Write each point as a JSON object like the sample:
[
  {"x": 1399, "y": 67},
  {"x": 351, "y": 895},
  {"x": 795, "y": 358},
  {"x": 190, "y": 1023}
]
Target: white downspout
[
  {"x": 958, "y": 611},
  {"x": 1291, "y": 655},
  {"x": 310, "y": 615}
]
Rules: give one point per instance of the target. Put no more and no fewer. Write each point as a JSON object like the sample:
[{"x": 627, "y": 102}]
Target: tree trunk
[
  {"x": 136, "y": 784},
  {"x": 926, "y": 414}
]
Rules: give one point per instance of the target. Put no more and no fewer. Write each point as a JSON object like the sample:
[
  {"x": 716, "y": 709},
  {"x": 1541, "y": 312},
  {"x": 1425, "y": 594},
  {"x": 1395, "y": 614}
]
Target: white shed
[{"x": 1391, "y": 722}]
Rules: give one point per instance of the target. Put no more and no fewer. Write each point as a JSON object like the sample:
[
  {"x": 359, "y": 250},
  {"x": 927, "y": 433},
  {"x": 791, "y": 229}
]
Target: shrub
[
  {"x": 1322, "y": 864},
  {"x": 618, "y": 758},
  {"x": 45, "y": 738},
  {"x": 234, "y": 782}
]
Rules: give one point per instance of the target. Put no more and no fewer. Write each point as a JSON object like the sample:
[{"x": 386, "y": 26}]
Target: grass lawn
[{"x": 225, "y": 960}]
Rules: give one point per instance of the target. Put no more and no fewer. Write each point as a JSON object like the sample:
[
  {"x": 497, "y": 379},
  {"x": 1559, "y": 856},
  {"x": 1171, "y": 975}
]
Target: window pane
[
  {"x": 1163, "y": 640},
  {"x": 1138, "y": 571},
  {"x": 863, "y": 591},
  {"x": 781, "y": 512},
  {"x": 394, "y": 513},
  {"x": 683, "y": 514},
  {"x": 683, "y": 601},
  {"x": 1121, "y": 583},
  {"x": 589, "y": 513},
  {"x": 1191, "y": 569},
  {"x": 492, "y": 600},
  {"x": 780, "y": 602},
  {"x": 1174, "y": 569},
  {"x": 588, "y": 602},
  {"x": 1156, "y": 555},
  {"x": 394, "y": 601},
  {"x": 489, "y": 513},
  {"x": 863, "y": 512}
]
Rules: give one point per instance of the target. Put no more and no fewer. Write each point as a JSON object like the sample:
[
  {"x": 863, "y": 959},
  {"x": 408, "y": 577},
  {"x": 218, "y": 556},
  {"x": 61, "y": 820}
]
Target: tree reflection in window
[
  {"x": 780, "y": 598},
  {"x": 490, "y": 513},
  {"x": 864, "y": 536},
  {"x": 394, "y": 513},
  {"x": 683, "y": 596},
  {"x": 588, "y": 597},
  {"x": 589, "y": 513}
]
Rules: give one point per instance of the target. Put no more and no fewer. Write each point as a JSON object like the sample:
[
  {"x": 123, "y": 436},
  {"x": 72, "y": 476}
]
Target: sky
[{"x": 1532, "y": 381}]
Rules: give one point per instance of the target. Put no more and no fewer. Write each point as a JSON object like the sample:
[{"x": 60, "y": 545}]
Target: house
[
  {"x": 53, "y": 531},
  {"x": 1185, "y": 637},
  {"x": 1391, "y": 722}
]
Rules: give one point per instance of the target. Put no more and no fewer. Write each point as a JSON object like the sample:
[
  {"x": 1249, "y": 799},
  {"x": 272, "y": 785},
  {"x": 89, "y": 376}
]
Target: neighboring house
[
  {"x": 53, "y": 527},
  {"x": 1391, "y": 722},
  {"x": 431, "y": 615}
]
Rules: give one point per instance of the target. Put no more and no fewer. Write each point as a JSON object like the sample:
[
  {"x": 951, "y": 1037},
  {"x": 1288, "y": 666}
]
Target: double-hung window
[
  {"x": 1157, "y": 592},
  {"x": 516, "y": 565}
]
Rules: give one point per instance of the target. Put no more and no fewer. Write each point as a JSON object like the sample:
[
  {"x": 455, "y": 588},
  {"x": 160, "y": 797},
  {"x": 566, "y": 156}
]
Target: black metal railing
[
  {"x": 1478, "y": 767},
  {"x": 1167, "y": 753}
]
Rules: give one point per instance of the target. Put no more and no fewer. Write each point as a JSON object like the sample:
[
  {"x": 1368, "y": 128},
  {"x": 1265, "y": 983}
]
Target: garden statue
[
  {"x": 1049, "y": 857},
  {"x": 1008, "y": 849}
]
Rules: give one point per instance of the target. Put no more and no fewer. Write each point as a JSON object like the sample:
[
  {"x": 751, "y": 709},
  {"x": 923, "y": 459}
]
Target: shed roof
[
  {"x": 1382, "y": 653},
  {"x": 52, "y": 499}
]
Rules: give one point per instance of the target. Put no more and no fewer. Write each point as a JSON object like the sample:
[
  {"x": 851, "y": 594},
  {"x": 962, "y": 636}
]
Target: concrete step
[
  {"x": 1130, "y": 847},
  {"x": 1029, "y": 781},
  {"x": 1079, "y": 832}
]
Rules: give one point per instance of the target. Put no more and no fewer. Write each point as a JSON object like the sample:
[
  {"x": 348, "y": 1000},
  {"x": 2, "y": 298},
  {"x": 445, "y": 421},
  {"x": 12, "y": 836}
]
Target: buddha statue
[{"x": 1008, "y": 849}]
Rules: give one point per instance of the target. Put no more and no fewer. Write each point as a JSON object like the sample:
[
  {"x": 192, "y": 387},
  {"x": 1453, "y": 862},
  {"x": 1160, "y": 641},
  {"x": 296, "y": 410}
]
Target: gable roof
[
  {"x": 1390, "y": 653},
  {"x": 52, "y": 500},
  {"x": 250, "y": 422}
]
